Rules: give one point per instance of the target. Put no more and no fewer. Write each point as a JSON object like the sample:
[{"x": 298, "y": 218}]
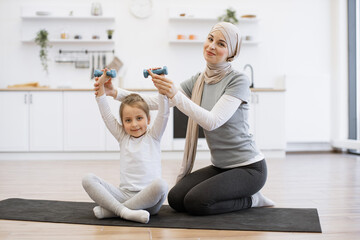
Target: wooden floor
[{"x": 329, "y": 182}]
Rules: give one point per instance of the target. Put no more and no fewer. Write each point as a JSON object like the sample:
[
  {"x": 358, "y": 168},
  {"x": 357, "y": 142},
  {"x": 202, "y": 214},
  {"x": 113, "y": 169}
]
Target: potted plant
[
  {"x": 229, "y": 16},
  {"x": 43, "y": 41},
  {"x": 110, "y": 33}
]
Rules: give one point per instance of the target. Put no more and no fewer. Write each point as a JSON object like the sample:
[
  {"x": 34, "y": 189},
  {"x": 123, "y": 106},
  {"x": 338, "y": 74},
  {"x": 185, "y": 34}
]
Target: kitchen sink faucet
[{"x": 252, "y": 74}]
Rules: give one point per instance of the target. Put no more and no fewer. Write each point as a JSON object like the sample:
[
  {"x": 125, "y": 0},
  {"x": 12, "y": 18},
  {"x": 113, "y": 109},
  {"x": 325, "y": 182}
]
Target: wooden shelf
[
  {"x": 194, "y": 21},
  {"x": 241, "y": 20},
  {"x": 95, "y": 18},
  {"x": 74, "y": 41},
  {"x": 76, "y": 20},
  {"x": 185, "y": 41}
]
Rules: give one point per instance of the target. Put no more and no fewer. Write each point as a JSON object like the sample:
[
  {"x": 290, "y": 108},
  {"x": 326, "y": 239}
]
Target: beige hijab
[{"x": 212, "y": 74}]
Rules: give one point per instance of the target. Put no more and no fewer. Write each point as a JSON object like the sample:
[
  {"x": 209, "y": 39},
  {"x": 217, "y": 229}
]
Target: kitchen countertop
[{"x": 134, "y": 90}]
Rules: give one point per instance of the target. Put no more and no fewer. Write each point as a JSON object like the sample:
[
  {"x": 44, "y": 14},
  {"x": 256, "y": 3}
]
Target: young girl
[{"x": 141, "y": 191}]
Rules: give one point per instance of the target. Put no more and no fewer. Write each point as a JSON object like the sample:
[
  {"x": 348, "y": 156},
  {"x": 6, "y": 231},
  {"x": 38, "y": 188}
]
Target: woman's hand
[{"x": 164, "y": 85}]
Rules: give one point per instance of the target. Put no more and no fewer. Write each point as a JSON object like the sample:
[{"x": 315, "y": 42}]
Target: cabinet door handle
[
  {"x": 30, "y": 98},
  {"x": 25, "y": 98}
]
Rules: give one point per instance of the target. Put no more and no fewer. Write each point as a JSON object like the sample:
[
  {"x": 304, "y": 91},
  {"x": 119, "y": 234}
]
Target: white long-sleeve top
[{"x": 140, "y": 158}]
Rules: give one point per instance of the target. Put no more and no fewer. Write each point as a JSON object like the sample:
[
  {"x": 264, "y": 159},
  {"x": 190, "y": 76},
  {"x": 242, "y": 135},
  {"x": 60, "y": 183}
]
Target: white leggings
[{"x": 107, "y": 196}]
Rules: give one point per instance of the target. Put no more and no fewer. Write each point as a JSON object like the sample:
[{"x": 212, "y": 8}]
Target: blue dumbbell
[
  {"x": 156, "y": 71},
  {"x": 111, "y": 73}
]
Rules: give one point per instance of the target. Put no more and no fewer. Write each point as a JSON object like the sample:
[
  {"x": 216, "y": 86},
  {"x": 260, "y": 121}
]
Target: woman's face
[{"x": 215, "y": 48}]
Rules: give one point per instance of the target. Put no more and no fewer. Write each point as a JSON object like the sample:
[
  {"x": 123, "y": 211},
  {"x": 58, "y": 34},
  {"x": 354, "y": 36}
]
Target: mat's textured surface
[{"x": 254, "y": 219}]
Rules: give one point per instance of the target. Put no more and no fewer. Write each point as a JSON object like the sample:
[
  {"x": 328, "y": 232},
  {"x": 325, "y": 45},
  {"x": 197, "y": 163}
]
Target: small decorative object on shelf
[
  {"x": 42, "y": 13},
  {"x": 248, "y": 16},
  {"x": 249, "y": 38},
  {"x": 110, "y": 33},
  {"x": 96, "y": 9},
  {"x": 64, "y": 34},
  {"x": 229, "y": 16},
  {"x": 43, "y": 41},
  {"x": 181, "y": 37},
  {"x": 192, "y": 37}
]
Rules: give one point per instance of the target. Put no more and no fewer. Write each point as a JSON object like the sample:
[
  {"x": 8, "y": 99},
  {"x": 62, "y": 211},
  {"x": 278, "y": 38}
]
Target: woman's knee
[
  {"x": 176, "y": 200},
  {"x": 196, "y": 205},
  {"x": 191, "y": 204}
]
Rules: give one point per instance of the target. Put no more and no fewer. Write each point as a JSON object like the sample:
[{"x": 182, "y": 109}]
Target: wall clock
[{"x": 141, "y": 8}]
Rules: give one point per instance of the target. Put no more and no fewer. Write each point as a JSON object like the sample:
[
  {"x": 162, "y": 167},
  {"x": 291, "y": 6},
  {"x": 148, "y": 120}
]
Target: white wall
[{"x": 303, "y": 42}]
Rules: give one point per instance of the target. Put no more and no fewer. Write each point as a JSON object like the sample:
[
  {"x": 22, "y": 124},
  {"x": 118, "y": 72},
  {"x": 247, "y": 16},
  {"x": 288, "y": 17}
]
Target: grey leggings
[
  {"x": 213, "y": 190},
  {"x": 110, "y": 197}
]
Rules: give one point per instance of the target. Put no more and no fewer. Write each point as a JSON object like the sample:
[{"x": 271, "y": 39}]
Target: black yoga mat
[{"x": 254, "y": 219}]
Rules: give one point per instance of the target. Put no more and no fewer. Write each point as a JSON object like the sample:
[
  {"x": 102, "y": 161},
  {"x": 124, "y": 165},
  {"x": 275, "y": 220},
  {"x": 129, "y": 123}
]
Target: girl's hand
[
  {"x": 164, "y": 85},
  {"x": 109, "y": 88},
  {"x": 104, "y": 78}
]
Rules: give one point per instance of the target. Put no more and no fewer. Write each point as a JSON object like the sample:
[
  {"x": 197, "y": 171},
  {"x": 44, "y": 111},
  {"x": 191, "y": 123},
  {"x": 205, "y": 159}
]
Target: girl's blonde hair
[{"x": 134, "y": 100}]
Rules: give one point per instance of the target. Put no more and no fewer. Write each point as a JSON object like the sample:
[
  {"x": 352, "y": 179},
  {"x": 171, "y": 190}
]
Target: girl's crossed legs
[{"x": 135, "y": 206}]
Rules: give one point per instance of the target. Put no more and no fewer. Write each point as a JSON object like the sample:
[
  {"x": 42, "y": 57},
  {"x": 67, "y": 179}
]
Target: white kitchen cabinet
[
  {"x": 31, "y": 121},
  {"x": 45, "y": 119},
  {"x": 69, "y": 120},
  {"x": 267, "y": 119},
  {"x": 59, "y": 121},
  {"x": 14, "y": 121},
  {"x": 84, "y": 129}
]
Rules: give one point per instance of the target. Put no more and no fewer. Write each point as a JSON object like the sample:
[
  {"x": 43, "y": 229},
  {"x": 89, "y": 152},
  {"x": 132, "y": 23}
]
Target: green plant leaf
[
  {"x": 229, "y": 16},
  {"x": 43, "y": 41}
]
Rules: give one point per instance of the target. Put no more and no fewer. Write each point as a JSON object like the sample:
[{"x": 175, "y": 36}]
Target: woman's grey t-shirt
[{"x": 230, "y": 144}]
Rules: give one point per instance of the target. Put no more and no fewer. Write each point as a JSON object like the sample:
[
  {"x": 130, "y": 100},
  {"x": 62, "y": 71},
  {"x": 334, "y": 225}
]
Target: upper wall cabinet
[
  {"x": 68, "y": 24},
  {"x": 193, "y": 25}
]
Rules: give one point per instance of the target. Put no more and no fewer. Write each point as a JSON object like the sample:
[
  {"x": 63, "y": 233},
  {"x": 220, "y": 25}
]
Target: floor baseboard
[
  {"x": 348, "y": 144},
  {"x": 308, "y": 147}
]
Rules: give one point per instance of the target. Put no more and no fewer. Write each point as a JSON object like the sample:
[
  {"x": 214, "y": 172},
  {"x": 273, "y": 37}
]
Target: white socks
[
  {"x": 101, "y": 213},
  {"x": 259, "y": 200},
  {"x": 141, "y": 216}
]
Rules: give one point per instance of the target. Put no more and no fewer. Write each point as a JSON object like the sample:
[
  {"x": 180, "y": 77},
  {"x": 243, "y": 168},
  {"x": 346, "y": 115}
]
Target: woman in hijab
[{"x": 217, "y": 99}]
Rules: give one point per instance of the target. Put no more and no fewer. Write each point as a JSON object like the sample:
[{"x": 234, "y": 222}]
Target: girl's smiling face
[
  {"x": 135, "y": 121},
  {"x": 215, "y": 48}
]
